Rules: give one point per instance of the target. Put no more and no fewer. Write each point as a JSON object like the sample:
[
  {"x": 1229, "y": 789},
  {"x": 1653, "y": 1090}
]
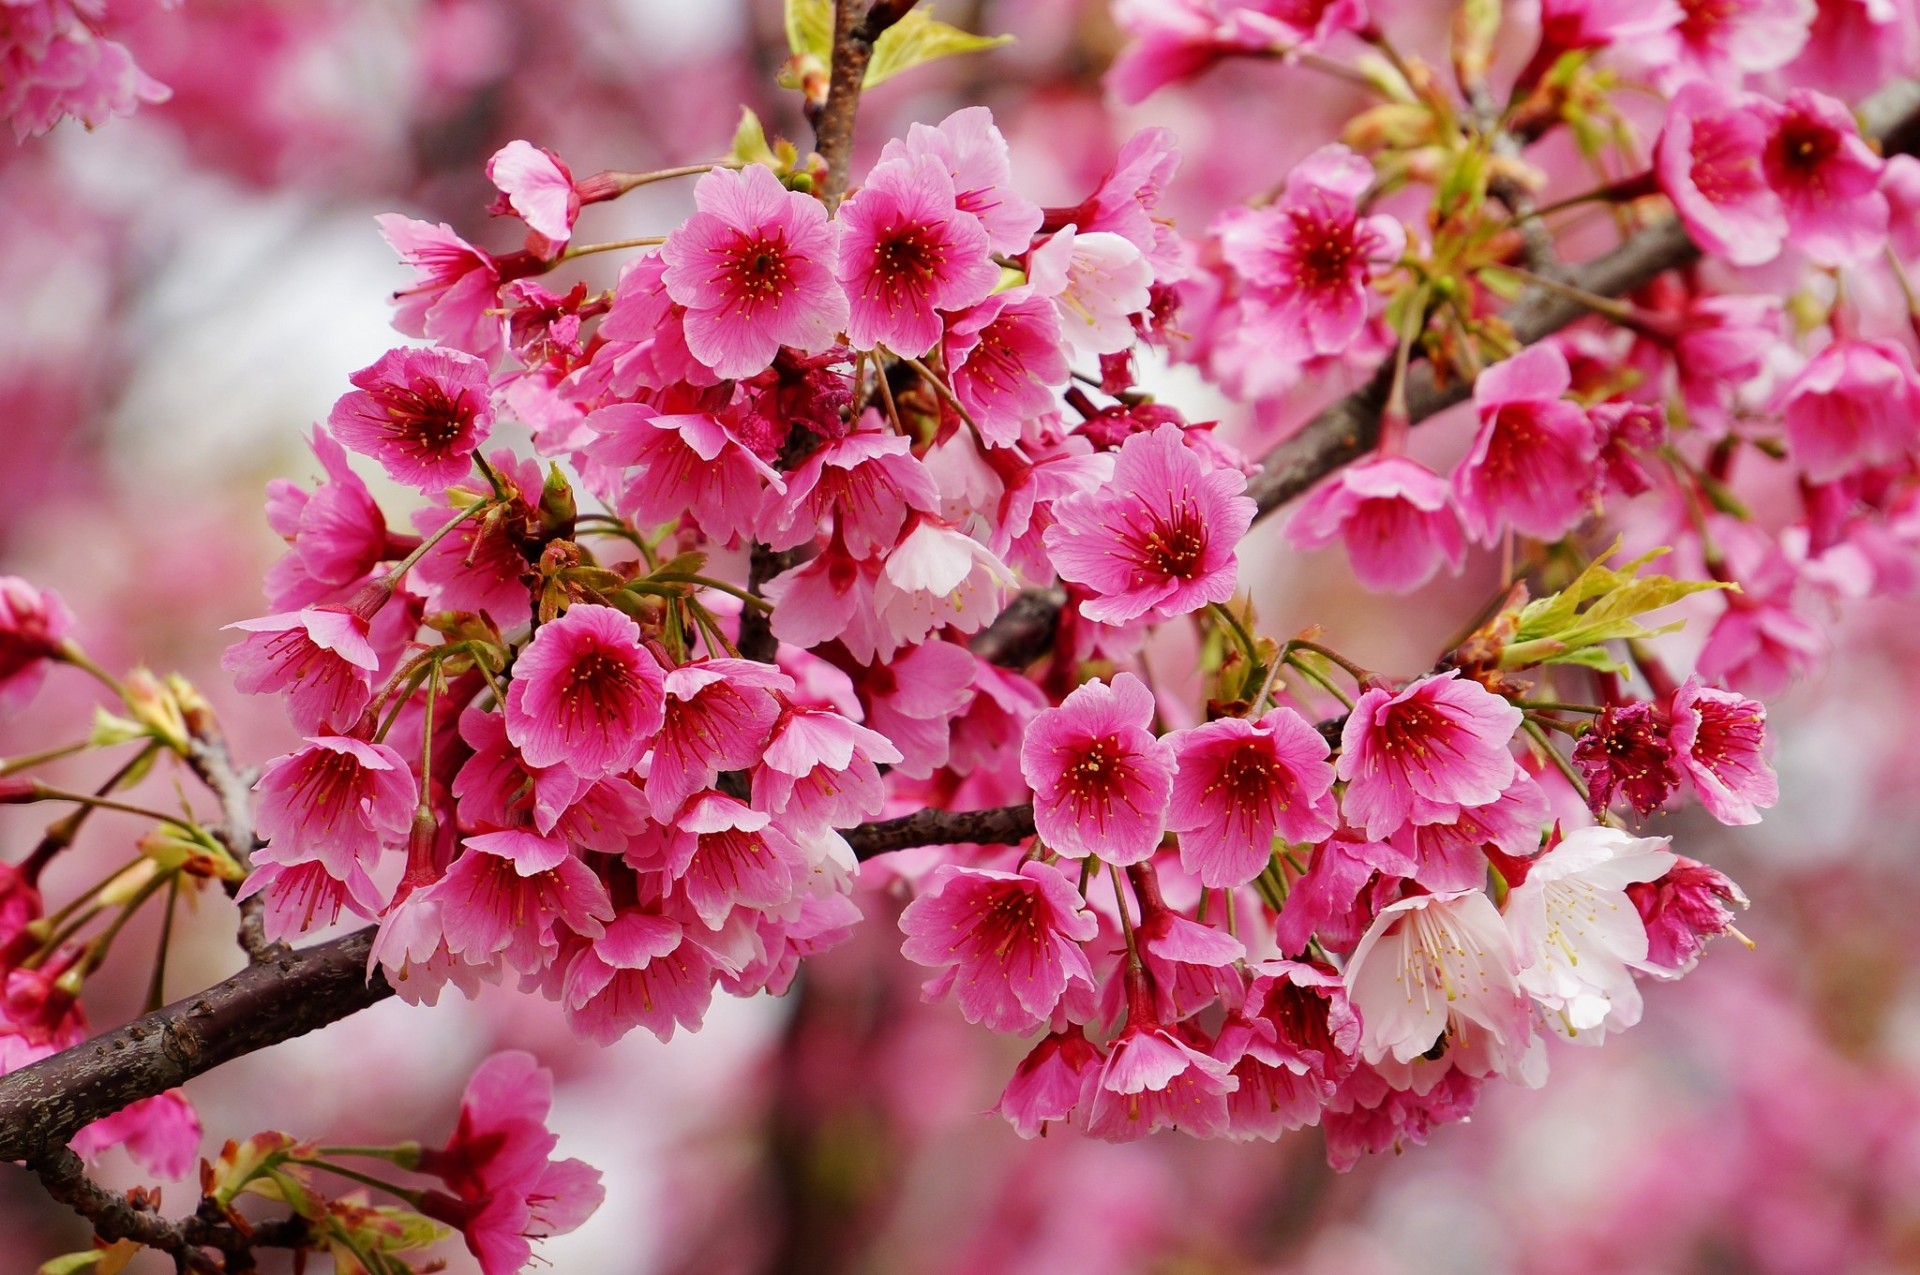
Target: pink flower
[
  {"x": 1097, "y": 282},
  {"x": 420, "y": 413},
  {"x": 1827, "y": 179},
  {"x": 537, "y": 187},
  {"x": 1100, "y": 780},
  {"x": 828, "y": 597},
  {"x": 1346, "y": 881},
  {"x": 1308, "y": 259},
  {"x": 914, "y": 701},
  {"x": 1440, "y": 967},
  {"x": 33, "y": 624},
  {"x": 974, "y": 155},
  {"x": 1453, "y": 856},
  {"x": 502, "y": 1188},
  {"x": 1395, "y": 517},
  {"x": 862, "y": 485},
  {"x": 1719, "y": 40},
  {"x": 1627, "y": 751},
  {"x": 53, "y": 65},
  {"x": 508, "y": 891},
  {"x": 1855, "y": 404},
  {"x": 454, "y": 298},
  {"x": 481, "y": 565},
  {"x": 305, "y": 895},
  {"x": 1295, "y": 1039},
  {"x": 642, "y": 972},
  {"x": 585, "y": 694},
  {"x": 1190, "y": 965},
  {"x": 1532, "y": 463},
  {"x": 1366, "y": 1115},
  {"x": 1708, "y": 161},
  {"x": 1159, "y": 540},
  {"x": 337, "y": 800},
  {"x": 1155, "y": 1080},
  {"x": 1056, "y": 1077},
  {"x": 1682, "y": 910},
  {"x": 1719, "y": 740},
  {"x": 1855, "y": 46},
  {"x": 1425, "y": 753},
  {"x": 724, "y": 854},
  {"x": 1239, "y": 784},
  {"x": 752, "y": 268},
  {"x": 937, "y": 576},
  {"x": 719, "y": 716},
  {"x": 659, "y": 467},
  {"x": 335, "y": 536},
  {"x": 1002, "y": 355},
  {"x": 1722, "y": 346},
  {"x": 1123, "y": 203},
  {"x": 820, "y": 770},
  {"x": 320, "y": 656},
  {"x": 906, "y": 253},
  {"x": 1008, "y": 942},
  {"x": 161, "y": 1134}
]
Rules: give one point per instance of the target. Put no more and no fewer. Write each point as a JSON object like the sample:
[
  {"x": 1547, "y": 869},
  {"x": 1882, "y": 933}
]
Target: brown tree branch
[
  {"x": 853, "y": 39},
  {"x": 1000, "y": 826}
]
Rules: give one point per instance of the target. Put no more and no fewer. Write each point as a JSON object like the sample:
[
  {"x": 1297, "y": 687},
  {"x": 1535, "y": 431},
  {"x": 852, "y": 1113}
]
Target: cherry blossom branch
[
  {"x": 853, "y": 40},
  {"x": 1000, "y": 826}
]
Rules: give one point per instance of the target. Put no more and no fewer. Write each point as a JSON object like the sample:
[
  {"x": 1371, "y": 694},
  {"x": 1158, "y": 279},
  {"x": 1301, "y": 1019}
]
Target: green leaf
[
  {"x": 810, "y": 28},
  {"x": 750, "y": 141},
  {"x": 109, "y": 730},
  {"x": 1601, "y": 604},
  {"x": 915, "y": 39},
  {"x": 72, "y": 1263}
]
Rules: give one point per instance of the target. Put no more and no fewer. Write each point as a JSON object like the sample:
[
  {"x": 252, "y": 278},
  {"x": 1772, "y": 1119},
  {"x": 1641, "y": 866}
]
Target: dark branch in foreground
[{"x": 1001, "y": 826}]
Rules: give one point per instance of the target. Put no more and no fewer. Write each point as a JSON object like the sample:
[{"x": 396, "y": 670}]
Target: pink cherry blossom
[
  {"x": 862, "y": 484},
  {"x": 907, "y": 252},
  {"x": 482, "y": 564},
  {"x": 1293, "y": 1042},
  {"x": 1437, "y": 967},
  {"x": 724, "y": 854},
  {"x": 1453, "y": 856},
  {"x": 1719, "y": 740},
  {"x": 657, "y": 467},
  {"x": 336, "y": 534},
  {"x": 1100, "y": 780},
  {"x": 1159, "y": 540},
  {"x": 1395, "y": 517},
  {"x": 1855, "y": 46},
  {"x": 1097, "y": 282},
  {"x": 304, "y": 896},
  {"x": 1828, "y": 180},
  {"x": 719, "y": 715},
  {"x": 56, "y": 65},
  {"x": 1626, "y": 750},
  {"x": 319, "y": 656},
  {"x": 1682, "y": 909},
  {"x": 1532, "y": 461},
  {"x": 420, "y": 413},
  {"x": 974, "y": 155},
  {"x": 1241, "y": 783},
  {"x": 752, "y": 267},
  {"x": 820, "y": 771},
  {"x": 1056, "y": 1078},
  {"x": 338, "y": 800},
  {"x": 537, "y": 187},
  {"x": 1721, "y": 40},
  {"x": 642, "y": 972},
  {"x": 1008, "y": 942},
  {"x": 1424, "y": 753},
  {"x": 1709, "y": 163},
  {"x": 33, "y": 624},
  {"x": 1855, "y": 404},
  {"x": 1347, "y": 880},
  {"x": 509, "y": 890},
  {"x": 585, "y": 694},
  {"x": 454, "y": 297},
  {"x": 1367, "y": 1116},
  {"x": 161, "y": 1134},
  {"x": 1153, "y": 1080},
  {"x": 1307, "y": 260},
  {"x": 1190, "y": 965},
  {"x": 1002, "y": 355},
  {"x": 914, "y": 700},
  {"x": 1722, "y": 346},
  {"x": 828, "y": 597},
  {"x": 937, "y": 576},
  {"x": 1124, "y": 201},
  {"x": 502, "y": 1188}
]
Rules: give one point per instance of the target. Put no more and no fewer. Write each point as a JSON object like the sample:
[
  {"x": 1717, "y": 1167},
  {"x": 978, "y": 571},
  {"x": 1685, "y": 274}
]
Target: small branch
[
  {"x": 1001, "y": 826},
  {"x": 212, "y": 761},
  {"x": 853, "y": 41}
]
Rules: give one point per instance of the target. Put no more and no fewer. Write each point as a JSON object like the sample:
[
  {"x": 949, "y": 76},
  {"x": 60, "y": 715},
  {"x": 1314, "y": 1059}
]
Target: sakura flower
[
  {"x": 1395, "y": 517},
  {"x": 503, "y": 1190},
  {"x": 1368, "y": 1116},
  {"x": 1531, "y": 463},
  {"x": 1124, "y": 201},
  {"x": 1440, "y": 966},
  {"x": 1002, "y": 355},
  {"x": 1425, "y": 753},
  {"x": 1708, "y": 161},
  {"x": 1828, "y": 180},
  {"x": 863, "y": 484},
  {"x": 1100, "y": 780},
  {"x": 455, "y": 293},
  {"x": 642, "y": 972},
  {"x": 1720, "y": 40},
  {"x": 1307, "y": 259},
  {"x": 420, "y": 413},
  {"x": 339, "y": 801},
  {"x": 336, "y": 534},
  {"x": 161, "y": 1134},
  {"x": 937, "y": 576},
  {"x": 1240, "y": 784},
  {"x": 907, "y": 252},
  {"x": 585, "y": 694},
  {"x": 1294, "y": 1040},
  {"x": 1855, "y": 46},
  {"x": 303, "y": 896},
  {"x": 1191, "y": 966},
  {"x": 1008, "y": 943},
  {"x": 658, "y": 467},
  {"x": 1578, "y": 934},
  {"x": 320, "y": 656},
  {"x": 1155, "y": 1080},
  {"x": 1453, "y": 856},
  {"x": 1096, "y": 281},
  {"x": 1682, "y": 909},
  {"x": 1854, "y": 404},
  {"x": 508, "y": 891},
  {"x": 538, "y": 189},
  {"x": 1347, "y": 880},
  {"x": 914, "y": 700},
  {"x": 718, "y": 716},
  {"x": 482, "y": 564},
  {"x": 1159, "y": 540},
  {"x": 819, "y": 770},
  {"x": 1761, "y": 644},
  {"x": 1056, "y": 1078},
  {"x": 1719, "y": 740},
  {"x": 752, "y": 269},
  {"x": 724, "y": 854},
  {"x": 974, "y": 154},
  {"x": 1627, "y": 750},
  {"x": 828, "y": 597},
  {"x": 33, "y": 624}
]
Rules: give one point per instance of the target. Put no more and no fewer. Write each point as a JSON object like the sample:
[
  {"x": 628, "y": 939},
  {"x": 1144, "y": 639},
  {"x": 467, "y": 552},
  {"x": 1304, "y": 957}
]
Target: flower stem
[
  {"x": 1360, "y": 675},
  {"x": 612, "y": 245},
  {"x": 412, "y": 1197}
]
